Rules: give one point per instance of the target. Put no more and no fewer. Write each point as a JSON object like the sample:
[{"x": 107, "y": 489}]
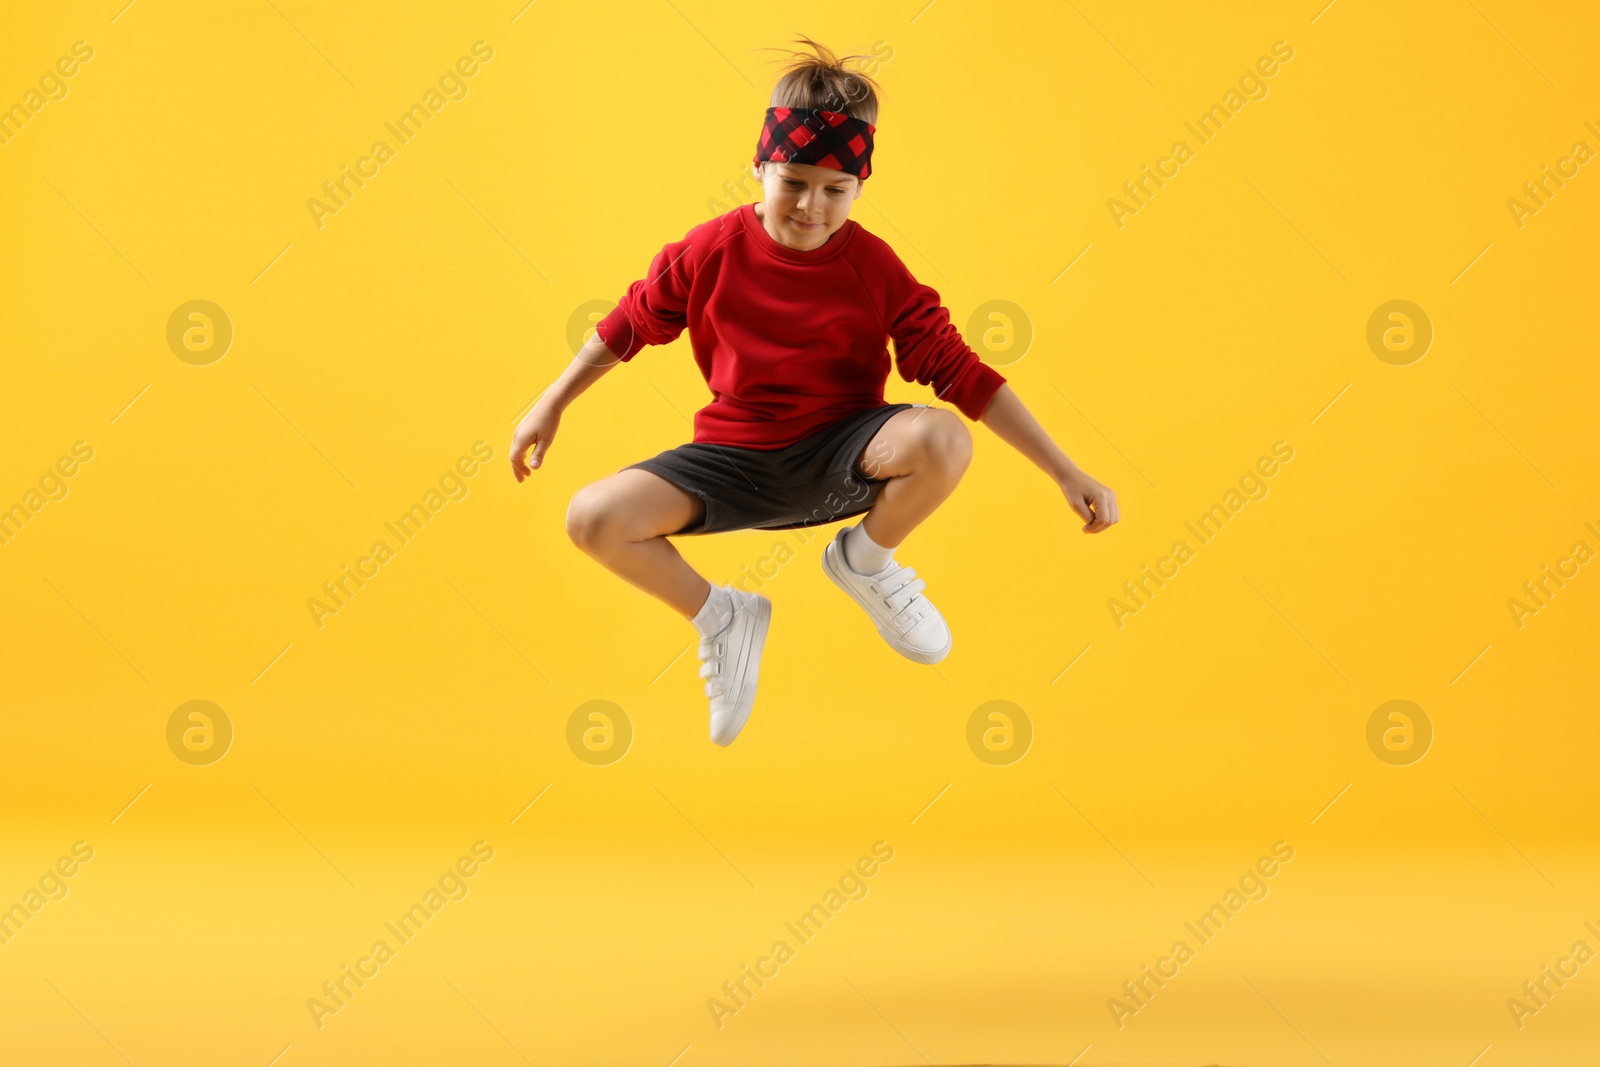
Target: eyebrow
[{"x": 831, "y": 181}]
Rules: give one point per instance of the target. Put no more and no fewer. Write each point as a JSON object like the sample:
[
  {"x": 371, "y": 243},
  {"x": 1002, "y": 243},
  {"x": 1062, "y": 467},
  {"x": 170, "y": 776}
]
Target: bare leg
[
  {"x": 923, "y": 452},
  {"x": 622, "y": 522}
]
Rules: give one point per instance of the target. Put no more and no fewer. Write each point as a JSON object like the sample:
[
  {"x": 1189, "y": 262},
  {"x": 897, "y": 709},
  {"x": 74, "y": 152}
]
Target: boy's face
[{"x": 798, "y": 194}]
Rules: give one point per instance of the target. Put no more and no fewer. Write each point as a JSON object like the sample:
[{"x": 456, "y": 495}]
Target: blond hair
[{"x": 825, "y": 81}]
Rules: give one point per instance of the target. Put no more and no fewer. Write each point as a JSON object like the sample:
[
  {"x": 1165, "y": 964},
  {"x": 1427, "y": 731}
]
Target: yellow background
[{"x": 369, "y": 354}]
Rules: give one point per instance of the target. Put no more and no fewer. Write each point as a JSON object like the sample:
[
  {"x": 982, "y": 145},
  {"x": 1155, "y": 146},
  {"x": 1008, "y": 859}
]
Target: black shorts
[{"x": 809, "y": 483}]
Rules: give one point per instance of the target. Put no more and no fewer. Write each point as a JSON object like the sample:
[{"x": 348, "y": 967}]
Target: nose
[{"x": 809, "y": 202}]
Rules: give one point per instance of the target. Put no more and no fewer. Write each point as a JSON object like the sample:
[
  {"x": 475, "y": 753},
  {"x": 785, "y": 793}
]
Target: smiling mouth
[{"x": 807, "y": 225}]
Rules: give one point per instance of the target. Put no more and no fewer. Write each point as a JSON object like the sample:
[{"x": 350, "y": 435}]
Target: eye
[{"x": 793, "y": 184}]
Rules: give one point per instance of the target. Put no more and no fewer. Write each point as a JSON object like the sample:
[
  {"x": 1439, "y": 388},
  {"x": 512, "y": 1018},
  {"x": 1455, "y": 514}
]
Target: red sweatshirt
[{"x": 790, "y": 341}]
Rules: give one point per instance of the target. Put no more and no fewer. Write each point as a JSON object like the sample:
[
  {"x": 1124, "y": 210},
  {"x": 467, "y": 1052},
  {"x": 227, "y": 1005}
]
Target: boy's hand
[
  {"x": 1096, "y": 504},
  {"x": 536, "y": 432}
]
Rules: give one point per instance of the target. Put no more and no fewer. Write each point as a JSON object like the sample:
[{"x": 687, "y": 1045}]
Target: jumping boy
[{"x": 789, "y": 304}]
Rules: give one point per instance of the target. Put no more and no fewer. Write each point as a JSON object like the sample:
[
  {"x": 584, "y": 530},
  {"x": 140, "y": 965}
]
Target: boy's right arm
[
  {"x": 651, "y": 312},
  {"x": 538, "y": 428}
]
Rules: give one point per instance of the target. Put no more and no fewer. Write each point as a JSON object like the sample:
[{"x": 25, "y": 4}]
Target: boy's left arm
[
  {"x": 1096, "y": 504},
  {"x": 930, "y": 351}
]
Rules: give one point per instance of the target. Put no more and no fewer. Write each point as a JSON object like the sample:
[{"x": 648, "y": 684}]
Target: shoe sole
[
  {"x": 756, "y": 636},
  {"x": 830, "y": 566}
]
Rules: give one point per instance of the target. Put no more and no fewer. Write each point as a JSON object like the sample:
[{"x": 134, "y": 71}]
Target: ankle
[
  {"x": 862, "y": 554},
  {"x": 715, "y": 614}
]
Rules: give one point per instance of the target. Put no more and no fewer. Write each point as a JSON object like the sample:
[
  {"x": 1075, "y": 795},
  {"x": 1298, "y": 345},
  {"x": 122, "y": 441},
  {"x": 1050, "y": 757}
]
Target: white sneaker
[
  {"x": 893, "y": 598},
  {"x": 730, "y": 662}
]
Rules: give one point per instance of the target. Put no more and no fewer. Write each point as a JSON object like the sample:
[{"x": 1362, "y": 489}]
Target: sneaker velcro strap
[{"x": 906, "y": 594}]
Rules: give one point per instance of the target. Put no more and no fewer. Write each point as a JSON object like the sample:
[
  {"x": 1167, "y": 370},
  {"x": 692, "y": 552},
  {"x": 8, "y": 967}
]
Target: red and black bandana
[{"x": 820, "y": 138}]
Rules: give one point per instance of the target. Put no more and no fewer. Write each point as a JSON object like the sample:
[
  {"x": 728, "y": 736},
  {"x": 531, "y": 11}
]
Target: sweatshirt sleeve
[
  {"x": 929, "y": 348},
  {"x": 653, "y": 310}
]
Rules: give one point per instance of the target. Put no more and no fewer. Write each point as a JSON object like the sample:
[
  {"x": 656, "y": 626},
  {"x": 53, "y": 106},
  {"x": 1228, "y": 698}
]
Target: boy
[{"x": 788, "y": 303}]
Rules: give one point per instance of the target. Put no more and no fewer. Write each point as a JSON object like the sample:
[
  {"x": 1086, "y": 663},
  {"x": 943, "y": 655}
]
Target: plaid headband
[{"x": 821, "y": 138}]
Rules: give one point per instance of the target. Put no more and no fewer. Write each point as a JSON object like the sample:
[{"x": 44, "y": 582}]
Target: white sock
[
  {"x": 716, "y": 613},
  {"x": 862, "y": 553}
]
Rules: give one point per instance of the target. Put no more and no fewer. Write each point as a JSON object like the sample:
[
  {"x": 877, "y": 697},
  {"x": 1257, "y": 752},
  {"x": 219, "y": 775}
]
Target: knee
[
  {"x": 943, "y": 443},
  {"x": 590, "y": 518}
]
